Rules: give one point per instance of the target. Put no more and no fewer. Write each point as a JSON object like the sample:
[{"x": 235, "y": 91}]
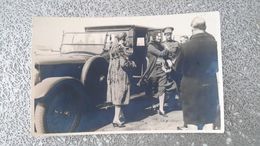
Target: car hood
[{"x": 60, "y": 59}]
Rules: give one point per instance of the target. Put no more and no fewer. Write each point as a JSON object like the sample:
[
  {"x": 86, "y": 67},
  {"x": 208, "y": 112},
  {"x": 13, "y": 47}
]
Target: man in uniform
[
  {"x": 171, "y": 63},
  {"x": 172, "y": 46}
]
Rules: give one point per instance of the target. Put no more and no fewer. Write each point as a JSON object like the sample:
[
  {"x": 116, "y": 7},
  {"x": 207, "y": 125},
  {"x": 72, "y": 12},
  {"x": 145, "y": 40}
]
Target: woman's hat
[{"x": 121, "y": 35}]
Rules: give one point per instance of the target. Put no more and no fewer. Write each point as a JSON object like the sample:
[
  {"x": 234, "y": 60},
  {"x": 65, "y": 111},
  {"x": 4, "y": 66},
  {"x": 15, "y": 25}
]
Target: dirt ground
[
  {"x": 140, "y": 114},
  {"x": 152, "y": 122}
]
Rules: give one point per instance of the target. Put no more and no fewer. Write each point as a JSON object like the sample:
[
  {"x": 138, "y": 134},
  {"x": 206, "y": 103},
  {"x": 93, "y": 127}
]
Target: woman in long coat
[
  {"x": 118, "y": 91},
  {"x": 155, "y": 77}
]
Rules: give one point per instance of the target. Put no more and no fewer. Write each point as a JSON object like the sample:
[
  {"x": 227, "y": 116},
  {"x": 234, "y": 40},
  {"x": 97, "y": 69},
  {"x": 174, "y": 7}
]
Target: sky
[{"x": 47, "y": 31}]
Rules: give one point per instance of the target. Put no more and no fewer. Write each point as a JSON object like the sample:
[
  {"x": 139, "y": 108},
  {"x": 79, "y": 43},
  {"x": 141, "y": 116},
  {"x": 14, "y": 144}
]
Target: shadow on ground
[{"x": 138, "y": 109}]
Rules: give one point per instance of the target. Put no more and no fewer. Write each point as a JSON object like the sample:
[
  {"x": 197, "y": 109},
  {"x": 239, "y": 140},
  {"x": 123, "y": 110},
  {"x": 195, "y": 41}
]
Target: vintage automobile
[{"x": 71, "y": 82}]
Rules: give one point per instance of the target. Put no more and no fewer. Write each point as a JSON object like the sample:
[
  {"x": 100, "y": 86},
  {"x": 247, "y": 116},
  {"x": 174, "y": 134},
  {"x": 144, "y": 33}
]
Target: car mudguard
[{"x": 94, "y": 78}]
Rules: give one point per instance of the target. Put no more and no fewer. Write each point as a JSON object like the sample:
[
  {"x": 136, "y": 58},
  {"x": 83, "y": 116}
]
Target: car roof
[{"x": 115, "y": 28}]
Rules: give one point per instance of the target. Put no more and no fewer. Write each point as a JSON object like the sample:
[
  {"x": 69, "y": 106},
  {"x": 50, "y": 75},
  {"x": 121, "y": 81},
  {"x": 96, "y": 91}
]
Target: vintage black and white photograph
[{"x": 141, "y": 74}]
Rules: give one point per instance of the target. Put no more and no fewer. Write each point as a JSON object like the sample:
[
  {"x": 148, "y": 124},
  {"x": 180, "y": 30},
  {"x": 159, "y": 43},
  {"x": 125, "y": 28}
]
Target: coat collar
[{"x": 201, "y": 35}]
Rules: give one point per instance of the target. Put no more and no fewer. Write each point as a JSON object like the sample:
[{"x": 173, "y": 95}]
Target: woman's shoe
[
  {"x": 162, "y": 113},
  {"x": 182, "y": 128},
  {"x": 120, "y": 125}
]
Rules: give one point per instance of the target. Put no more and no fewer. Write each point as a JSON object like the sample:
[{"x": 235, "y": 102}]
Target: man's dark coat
[{"x": 199, "y": 91}]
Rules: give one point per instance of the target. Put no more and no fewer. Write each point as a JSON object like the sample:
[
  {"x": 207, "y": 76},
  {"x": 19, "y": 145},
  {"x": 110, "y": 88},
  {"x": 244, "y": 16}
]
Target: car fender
[
  {"x": 88, "y": 64},
  {"x": 45, "y": 87},
  {"x": 94, "y": 78},
  {"x": 42, "y": 88}
]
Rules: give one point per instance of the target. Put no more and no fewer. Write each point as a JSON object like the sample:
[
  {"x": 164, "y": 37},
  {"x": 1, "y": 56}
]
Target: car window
[
  {"x": 92, "y": 43},
  {"x": 140, "y": 41}
]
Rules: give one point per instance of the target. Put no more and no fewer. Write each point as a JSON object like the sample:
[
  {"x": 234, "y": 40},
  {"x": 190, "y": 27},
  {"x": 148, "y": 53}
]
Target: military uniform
[
  {"x": 172, "y": 59},
  {"x": 174, "y": 51}
]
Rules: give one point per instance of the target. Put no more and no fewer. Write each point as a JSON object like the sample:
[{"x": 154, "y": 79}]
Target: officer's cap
[{"x": 168, "y": 30}]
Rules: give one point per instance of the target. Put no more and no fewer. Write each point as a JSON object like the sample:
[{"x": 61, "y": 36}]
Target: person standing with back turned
[{"x": 198, "y": 89}]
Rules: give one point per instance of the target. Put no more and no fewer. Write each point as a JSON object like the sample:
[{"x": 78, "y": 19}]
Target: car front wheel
[{"x": 60, "y": 109}]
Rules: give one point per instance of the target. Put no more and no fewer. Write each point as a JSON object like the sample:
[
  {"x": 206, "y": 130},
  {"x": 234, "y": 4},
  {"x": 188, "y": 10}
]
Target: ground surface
[{"x": 140, "y": 114}]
